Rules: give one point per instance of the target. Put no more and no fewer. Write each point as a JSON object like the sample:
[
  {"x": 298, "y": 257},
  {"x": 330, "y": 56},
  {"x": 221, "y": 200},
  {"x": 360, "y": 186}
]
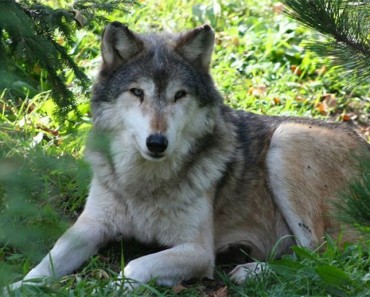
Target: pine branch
[
  {"x": 28, "y": 41},
  {"x": 346, "y": 24}
]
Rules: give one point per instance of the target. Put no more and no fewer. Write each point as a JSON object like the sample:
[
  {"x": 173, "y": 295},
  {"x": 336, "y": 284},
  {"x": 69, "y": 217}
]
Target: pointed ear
[
  {"x": 196, "y": 46},
  {"x": 119, "y": 44}
]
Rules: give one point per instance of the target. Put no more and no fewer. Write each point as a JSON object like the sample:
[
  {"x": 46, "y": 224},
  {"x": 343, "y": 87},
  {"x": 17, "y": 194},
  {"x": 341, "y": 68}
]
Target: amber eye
[
  {"x": 137, "y": 92},
  {"x": 180, "y": 94}
]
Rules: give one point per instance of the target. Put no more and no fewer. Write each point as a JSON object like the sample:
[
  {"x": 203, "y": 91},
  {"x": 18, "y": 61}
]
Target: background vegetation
[
  {"x": 37, "y": 42},
  {"x": 261, "y": 64}
]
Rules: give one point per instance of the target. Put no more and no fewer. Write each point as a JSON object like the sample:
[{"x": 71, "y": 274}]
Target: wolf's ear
[
  {"x": 118, "y": 45},
  {"x": 196, "y": 46}
]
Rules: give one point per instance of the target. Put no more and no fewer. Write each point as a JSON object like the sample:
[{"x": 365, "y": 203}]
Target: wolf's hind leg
[
  {"x": 307, "y": 166},
  {"x": 245, "y": 271}
]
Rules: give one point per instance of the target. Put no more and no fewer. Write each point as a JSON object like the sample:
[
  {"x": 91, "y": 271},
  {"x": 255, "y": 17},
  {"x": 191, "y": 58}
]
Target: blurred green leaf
[{"x": 333, "y": 275}]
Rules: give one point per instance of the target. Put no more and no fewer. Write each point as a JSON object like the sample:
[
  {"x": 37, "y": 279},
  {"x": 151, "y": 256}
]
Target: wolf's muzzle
[{"x": 157, "y": 143}]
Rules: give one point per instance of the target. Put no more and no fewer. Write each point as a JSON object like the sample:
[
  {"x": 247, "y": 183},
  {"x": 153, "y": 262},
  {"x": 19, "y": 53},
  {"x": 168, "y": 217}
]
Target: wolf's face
[
  {"x": 156, "y": 89},
  {"x": 155, "y": 119}
]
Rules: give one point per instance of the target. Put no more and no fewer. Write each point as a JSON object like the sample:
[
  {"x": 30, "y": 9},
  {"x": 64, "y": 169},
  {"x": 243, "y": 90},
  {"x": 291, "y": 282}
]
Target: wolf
[{"x": 173, "y": 165}]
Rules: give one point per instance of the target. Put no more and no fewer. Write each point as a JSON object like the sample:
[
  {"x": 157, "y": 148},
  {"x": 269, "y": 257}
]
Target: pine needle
[{"x": 346, "y": 26}]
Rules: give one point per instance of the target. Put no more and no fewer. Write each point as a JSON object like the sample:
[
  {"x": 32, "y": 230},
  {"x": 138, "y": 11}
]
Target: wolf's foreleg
[{"x": 171, "y": 266}]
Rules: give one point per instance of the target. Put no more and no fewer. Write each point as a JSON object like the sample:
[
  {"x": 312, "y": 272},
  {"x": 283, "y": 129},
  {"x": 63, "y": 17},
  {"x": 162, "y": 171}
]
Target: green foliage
[
  {"x": 35, "y": 40},
  {"x": 41, "y": 181},
  {"x": 346, "y": 23},
  {"x": 335, "y": 272}
]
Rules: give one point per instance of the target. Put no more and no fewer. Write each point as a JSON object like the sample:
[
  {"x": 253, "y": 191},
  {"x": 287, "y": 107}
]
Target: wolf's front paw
[
  {"x": 14, "y": 286},
  {"x": 136, "y": 273},
  {"x": 6, "y": 290}
]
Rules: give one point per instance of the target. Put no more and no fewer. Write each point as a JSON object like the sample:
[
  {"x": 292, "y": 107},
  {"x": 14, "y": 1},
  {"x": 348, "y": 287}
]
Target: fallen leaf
[
  {"x": 277, "y": 101},
  {"x": 222, "y": 292},
  {"x": 330, "y": 100},
  {"x": 235, "y": 41},
  {"x": 100, "y": 274},
  {"x": 46, "y": 129},
  {"x": 353, "y": 116},
  {"x": 300, "y": 98},
  {"x": 321, "y": 70},
  {"x": 218, "y": 40},
  {"x": 178, "y": 289},
  {"x": 295, "y": 69},
  {"x": 278, "y": 8},
  {"x": 346, "y": 118},
  {"x": 258, "y": 91},
  {"x": 365, "y": 131},
  {"x": 322, "y": 107}
]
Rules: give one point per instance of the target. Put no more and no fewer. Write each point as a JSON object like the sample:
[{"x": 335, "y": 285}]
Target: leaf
[
  {"x": 258, "y": 91},
  {"x": 286, "y": 267},
  {"x": 100, "y": 274},
  {"x": 277, "y": 101},
  {"x": 222, "y": 292},
  {"x": 303, "y": 253},
  {"x": 322, "y": 107},
  {"x": 178, "y": 289},
  {"x": 330, "y": 100},
  {"x": 300, "y": 98},
  {"x": 346, "y": 118},
  {"x": 295, "y": 69},
  {"x": 333, "y": 275}
]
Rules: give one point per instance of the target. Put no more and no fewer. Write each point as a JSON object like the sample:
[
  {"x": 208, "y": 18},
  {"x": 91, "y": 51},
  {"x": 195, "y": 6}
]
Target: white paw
[
  {"x": 242, "y": 272},
  {"x": 6, "y": 290},
  {"x": 137, "y": 271},
  {"x": 14, "y": 286},
  {"x": 134, "y": 274}
]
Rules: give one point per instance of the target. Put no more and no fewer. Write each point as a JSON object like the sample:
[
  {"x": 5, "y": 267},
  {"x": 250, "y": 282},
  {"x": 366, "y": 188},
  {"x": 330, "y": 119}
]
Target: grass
[{"x": 261, "y": 65}]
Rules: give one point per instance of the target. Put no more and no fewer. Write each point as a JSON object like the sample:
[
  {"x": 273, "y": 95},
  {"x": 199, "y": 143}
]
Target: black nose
[{"x": 156, "y": 143}]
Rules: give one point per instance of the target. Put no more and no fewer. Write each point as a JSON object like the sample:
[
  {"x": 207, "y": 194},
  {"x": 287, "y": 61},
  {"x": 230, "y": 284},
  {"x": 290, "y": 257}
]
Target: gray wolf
[{"x": 172, "y": 164}]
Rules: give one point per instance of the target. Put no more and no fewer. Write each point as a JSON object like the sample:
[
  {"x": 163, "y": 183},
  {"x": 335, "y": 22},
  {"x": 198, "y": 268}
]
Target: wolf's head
[{"x": 155, "y": 90}]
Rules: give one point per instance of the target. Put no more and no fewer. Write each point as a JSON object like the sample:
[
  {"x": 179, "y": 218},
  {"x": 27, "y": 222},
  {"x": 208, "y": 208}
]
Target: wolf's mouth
[{"x": 154, "y": 156}]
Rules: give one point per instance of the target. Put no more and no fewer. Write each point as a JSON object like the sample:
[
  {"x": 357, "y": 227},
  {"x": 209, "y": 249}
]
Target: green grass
[{"x": 261, "y": 65}]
